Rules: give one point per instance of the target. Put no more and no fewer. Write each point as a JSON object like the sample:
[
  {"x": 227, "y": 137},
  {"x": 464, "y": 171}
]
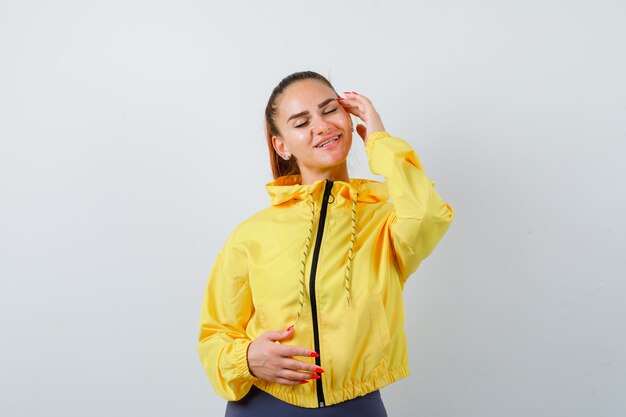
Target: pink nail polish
[{"x": 290, "y": 327}]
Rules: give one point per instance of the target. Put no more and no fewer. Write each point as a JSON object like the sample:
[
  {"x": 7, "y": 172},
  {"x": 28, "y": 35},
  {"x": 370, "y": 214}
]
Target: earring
[{"x": 287, "y": 157}]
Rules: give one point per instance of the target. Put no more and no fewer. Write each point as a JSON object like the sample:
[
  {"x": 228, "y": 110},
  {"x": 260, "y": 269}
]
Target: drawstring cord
[
  {"x": 305, "y": 252},
  {"x": 307, "y": 247},
  {"x": 349, "y": 265}
]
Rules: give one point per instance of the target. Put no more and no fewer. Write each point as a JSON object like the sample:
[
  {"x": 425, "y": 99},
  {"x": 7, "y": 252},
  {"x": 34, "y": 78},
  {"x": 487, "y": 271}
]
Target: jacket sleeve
[
  {"x": 420, "y": 217},
  {"x": 226, "y": 309}
]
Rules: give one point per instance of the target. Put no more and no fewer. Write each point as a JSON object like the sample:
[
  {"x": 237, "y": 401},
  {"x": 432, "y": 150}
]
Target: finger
[
  {"x": 277, "y": 335},
  {"x": 288, "y": 351},
  {"x": 353, "y": 102},
  {"x": 296, "y": 375},
  {"x": 361, "y": 102},
  {"x": 352, "y": 107},
  {"x": 290, "y": 382},
  {"x": 356, "y": 96},
  {"x": 356, "y": 111},
  {"x": 297, "y": 365},
  {"x": 348, "y": 102}
]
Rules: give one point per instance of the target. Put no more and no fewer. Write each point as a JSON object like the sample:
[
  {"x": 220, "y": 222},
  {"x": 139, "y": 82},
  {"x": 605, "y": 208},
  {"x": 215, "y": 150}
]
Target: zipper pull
[{"x": 331, "y": 182}]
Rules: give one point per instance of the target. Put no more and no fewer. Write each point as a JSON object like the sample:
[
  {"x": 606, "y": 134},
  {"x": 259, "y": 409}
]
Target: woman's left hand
[{"x": 362, "y": 107}]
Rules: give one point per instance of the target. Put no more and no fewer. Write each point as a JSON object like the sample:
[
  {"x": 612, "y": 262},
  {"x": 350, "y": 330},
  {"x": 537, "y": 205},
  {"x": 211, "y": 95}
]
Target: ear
[{"x": 279, "y": 145}]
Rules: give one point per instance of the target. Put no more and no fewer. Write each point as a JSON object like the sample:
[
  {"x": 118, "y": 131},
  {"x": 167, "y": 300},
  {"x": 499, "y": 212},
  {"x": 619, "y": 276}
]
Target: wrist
[{"x": 248, "y": 361}]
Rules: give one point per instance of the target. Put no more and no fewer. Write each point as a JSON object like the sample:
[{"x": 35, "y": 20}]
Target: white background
[{"x": 131, "y": 145}]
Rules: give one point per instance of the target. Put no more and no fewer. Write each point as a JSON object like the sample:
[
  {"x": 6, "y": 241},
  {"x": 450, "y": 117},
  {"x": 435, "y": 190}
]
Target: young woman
[{"x": 326, "y": 262}]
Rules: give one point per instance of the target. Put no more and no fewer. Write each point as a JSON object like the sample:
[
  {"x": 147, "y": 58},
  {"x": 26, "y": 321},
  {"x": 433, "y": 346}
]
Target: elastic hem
[{"x": 339, "y": 394}]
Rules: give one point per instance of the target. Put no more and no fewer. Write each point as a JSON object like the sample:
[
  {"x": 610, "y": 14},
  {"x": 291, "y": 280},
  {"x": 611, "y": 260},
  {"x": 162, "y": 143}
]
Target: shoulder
[{"x": 251, "y": 226}]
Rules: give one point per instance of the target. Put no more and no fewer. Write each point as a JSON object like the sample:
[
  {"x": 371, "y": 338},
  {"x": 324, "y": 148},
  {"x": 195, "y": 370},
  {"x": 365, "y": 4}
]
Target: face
[{"x": 308, "y": 115}]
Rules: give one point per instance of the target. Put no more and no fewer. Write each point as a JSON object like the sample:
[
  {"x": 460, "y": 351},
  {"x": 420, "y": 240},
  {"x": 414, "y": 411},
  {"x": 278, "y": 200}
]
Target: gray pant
[{"x": 258, "y": 403}]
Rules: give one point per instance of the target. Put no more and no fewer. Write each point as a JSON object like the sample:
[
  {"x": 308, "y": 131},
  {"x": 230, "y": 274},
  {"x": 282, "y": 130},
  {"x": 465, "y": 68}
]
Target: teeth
[{"x": 327, "y": 142}]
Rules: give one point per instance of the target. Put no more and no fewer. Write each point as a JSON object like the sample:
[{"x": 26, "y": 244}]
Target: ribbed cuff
[
  {"x": 373, "y": 137},
  {"x": 241, "y": 359}
]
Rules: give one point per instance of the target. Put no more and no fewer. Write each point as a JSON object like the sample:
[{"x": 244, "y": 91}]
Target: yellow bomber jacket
[{"x": 332, "y": 258}]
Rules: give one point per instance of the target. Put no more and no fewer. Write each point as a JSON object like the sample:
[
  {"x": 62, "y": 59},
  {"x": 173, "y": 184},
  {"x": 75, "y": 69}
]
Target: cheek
[{"x": 343, "y": 116}]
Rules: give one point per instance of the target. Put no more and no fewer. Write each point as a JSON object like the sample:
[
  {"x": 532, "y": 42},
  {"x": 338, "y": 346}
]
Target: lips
[{"x": 328, "y": 140}]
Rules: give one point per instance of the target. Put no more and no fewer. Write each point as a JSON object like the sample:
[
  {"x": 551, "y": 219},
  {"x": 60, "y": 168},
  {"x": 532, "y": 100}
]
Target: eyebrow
[{"x": 319, "y": 106}]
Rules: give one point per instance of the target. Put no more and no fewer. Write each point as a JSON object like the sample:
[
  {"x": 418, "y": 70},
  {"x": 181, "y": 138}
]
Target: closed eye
[{"x": 307, "y": 122}]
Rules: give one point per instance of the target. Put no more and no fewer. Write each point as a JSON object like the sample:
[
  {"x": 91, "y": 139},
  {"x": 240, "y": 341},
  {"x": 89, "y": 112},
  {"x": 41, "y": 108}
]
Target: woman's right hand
[{"x": 274, "y": 362}]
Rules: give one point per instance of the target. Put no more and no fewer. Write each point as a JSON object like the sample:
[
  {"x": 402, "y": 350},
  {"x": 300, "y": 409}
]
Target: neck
[{"x": 338, "y": 173}]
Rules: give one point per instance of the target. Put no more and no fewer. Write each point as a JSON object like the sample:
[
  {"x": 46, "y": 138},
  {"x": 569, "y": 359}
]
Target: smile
[{"x": 328, "y": 142}]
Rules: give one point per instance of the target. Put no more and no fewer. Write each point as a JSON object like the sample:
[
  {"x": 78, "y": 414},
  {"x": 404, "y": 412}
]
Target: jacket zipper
[{"x": 316, "y": 254}]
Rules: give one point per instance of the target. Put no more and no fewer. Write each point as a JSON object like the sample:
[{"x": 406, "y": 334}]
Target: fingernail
[
  {"x": 354, "y": 92},
  {"x": 290, "y": 327},
  {"x": 314, "y": 355},
  {"x": 348, "y": 92},
  {"x": 315, "y": 376},
  {"x": 341, "y": 98},
  {"x": 304, "y": 381},
  {"x": 320, "y": 370}
]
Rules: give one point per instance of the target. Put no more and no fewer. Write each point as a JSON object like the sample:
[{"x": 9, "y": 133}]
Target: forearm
[{"x": 420, "y": 217}]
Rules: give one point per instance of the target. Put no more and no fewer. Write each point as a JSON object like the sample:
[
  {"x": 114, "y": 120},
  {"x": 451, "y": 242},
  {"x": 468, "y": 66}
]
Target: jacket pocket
[{"x": 380, "y": 328}]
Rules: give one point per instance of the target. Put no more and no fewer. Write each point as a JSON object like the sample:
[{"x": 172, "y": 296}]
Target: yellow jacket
[{"x": 332, "y": 258}]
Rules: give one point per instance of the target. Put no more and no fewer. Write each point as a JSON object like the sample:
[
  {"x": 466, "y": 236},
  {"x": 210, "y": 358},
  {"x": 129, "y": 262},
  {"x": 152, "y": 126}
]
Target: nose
[{"x": 323, "y": 126}]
